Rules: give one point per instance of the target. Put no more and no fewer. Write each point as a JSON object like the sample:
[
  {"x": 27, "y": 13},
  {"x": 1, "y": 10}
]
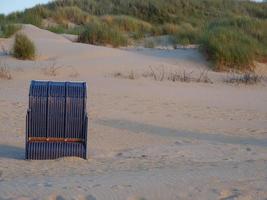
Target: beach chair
[{"x": 56, "y": 122}]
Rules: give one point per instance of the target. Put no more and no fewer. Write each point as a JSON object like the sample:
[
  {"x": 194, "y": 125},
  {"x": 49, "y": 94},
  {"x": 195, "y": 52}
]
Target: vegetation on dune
[
  {"x": 7, "y": 30},
  {"x": 186, "y": 34},
  {"x": 127, "y": 24},
  {"x": 64, "y": 15},
  {"x": 100, "y": 33},
  {"x": 229, "y": 48},
  {"x": 231, "y": 33},
  {"x": 23, "y": 47},
  {"x": 234, "y": 43}
]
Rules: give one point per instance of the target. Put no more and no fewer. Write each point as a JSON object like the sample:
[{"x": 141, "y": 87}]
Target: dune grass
[
  {"x": 230, "y": 49},
  {"x": 24, "y": 48},
  {"x": 102, "y": 34},
  {"x": 127, "y": 23},
  {"x": 235, "y": 43},
  {"x": 73, "y": 14},
  {"x": 186, "y": 34},
  {"x": 113, "y": 22},
  {"x": 7, "y": 30}
]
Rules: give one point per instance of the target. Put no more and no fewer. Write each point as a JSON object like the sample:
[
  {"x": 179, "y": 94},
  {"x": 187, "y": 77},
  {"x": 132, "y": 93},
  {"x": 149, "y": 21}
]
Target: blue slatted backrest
[{"x": 57, "y": 109}]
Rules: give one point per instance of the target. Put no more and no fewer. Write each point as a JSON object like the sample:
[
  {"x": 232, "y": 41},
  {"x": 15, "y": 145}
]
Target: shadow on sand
[
  {"x": 138, "y": 127},
  {"x": 11, "y": 152}
]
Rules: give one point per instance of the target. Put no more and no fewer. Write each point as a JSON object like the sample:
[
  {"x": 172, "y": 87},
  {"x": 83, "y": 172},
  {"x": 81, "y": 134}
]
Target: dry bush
[
  {"x": 5, "y": 72},
  {"x": 52, "y": 70},
  {"x": 248, "y": 78}
]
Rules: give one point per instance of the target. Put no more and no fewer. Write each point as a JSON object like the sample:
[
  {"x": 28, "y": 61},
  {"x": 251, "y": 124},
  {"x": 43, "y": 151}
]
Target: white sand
[{"x": 147, "y": 139}]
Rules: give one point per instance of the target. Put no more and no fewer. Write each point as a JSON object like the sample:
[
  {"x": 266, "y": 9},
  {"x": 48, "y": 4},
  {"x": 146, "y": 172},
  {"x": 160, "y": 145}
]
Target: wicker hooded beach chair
[{"x": 56, "y": 122}]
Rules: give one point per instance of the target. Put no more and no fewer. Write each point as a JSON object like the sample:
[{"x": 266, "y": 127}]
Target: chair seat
[{"x": 54, "y": 150}]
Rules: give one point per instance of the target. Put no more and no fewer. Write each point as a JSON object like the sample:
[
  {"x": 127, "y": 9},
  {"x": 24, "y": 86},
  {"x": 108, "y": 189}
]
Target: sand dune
[{"x": 147, "y": 139}]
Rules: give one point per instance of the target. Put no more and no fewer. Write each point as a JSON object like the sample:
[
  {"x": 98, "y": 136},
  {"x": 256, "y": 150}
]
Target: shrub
[
  {"x": 23, "y": 47},
  {"x": 102, "y": 34},
  {"x": 229, "y": 48}
]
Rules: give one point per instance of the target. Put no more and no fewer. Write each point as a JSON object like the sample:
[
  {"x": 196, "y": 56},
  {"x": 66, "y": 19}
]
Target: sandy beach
[{"x": 148, "y": 139}]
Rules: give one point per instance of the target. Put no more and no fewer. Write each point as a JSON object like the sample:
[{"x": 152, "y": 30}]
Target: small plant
[
  {"x": 203, "y": 77},
  {"x": 4, "y": 72},
  {"x": 158, "y": 74},
  {"x": 5, "y": 52},
  {"x": 52, "y": 70},
  {"x": 248, "y": 78},
  {"x": 131, "y": 75},
  {"x": 180, "y": 76},
  {"x": 23, "y": 48}
]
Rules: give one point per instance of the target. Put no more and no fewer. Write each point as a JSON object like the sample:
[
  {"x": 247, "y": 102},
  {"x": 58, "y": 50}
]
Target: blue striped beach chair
[{"x": 56, "y": 122}]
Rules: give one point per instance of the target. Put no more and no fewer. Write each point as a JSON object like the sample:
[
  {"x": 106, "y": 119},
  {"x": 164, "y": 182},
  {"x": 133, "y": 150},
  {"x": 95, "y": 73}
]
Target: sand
[{"x": 147, "y": 139}]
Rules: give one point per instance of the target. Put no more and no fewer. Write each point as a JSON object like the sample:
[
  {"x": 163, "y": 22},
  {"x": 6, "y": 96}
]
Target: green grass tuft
[{"x": 23, "y": 48}]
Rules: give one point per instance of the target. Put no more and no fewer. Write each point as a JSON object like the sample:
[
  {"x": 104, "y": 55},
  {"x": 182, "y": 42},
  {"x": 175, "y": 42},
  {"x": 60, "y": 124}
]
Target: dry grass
[
  {"x": 248, "y": 78},
  {"x": 4, "y": 51},
  {"x": 161, "y": 74},
  {"x": 52, "y": 70},
  {"x": 131, "y": 75},
  {"x": 5, "y": 73}
]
